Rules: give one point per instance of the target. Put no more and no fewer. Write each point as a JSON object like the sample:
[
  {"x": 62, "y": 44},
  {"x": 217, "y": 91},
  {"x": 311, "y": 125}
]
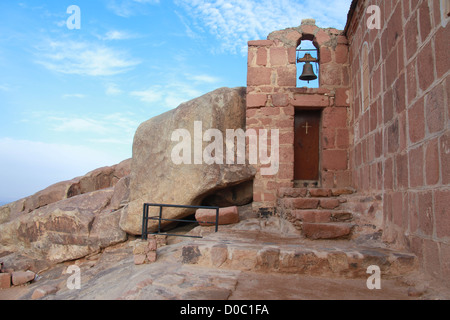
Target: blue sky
[{"x": 71, "y": 99}]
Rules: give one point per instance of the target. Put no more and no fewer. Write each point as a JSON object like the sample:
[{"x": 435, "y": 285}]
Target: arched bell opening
[{"x": 307, "y": 64}]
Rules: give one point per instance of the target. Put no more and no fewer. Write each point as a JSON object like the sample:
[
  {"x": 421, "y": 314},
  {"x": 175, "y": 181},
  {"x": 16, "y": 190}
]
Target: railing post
[
  {"x": 217, "y": 219},
  {"x": 144, "y": 222},
  {"x": 160, "y": 217}
]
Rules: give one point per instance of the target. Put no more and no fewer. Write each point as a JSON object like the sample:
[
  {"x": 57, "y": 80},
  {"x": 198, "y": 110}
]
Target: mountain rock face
[
  {"x": 69, "y": 219},
  {"x": 155, "y": 176}
]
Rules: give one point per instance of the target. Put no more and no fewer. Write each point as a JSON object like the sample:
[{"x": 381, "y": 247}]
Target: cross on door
[{"x": 307, "y": 127}]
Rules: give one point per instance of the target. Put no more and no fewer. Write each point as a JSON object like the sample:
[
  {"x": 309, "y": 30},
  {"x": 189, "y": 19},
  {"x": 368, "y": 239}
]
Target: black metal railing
[{"x": 145, "y": 219}]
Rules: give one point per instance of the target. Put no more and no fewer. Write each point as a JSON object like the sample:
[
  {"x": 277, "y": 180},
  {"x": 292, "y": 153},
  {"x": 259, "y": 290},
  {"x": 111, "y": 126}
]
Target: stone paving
[{"x": 249, "y": 264}]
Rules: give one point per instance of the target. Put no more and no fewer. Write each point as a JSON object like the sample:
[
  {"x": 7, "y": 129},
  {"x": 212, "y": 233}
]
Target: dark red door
[{"x": 306, "y": 145}]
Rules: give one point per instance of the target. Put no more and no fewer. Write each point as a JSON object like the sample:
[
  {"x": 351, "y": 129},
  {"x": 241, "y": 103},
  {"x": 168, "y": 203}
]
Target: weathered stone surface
[
  {"x": 329, "y": 203},
  {"x": 65, "y": 230},
  {"x": 43, "y": 291},
  {"x": 326, "y": 230},
  {"x": 319, "y": 192},
  {"x": 15, "y": 261},
  {"x": 243, "y": 258},
  {"x": 314, "y": 216},
  {"x": 21, "y": 277},
  {"x": 268, "y": 259},
  {"x": 5, "y": 280},
  {"x": 292, "y": 192},
  {"x": 67, "y": 220},
  {"x": 219, "y": 254},
  {"x": 238, "y": 195},
  {"x": 417, "y": 291},
  {"x": 284, "y": 262},
  {"x": 305, "y": 203},
  {"x": 156, "y": 178},
  {"x": 49, "y": 195},
  {"x": 139, "y": 258},
  {"x": 151, "y": 256},
  {"x": 190, "y": 254},
  {"x": 11, "y": 210},
  {"x": 144, "y": 253},
  {"x": 121, "y": 192},
  {"x": 342, "y": 216},
  {"x": 207, "y": 217},
  {"x": 105, "y": 230},
  {"x": 5, "y": 212},
  {"x": 144, "y": 247},
  {"x": 207, "y": 294},
  {"x": 100, "y": 178}
]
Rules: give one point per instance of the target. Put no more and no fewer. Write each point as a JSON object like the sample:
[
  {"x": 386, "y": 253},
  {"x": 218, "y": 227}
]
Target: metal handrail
[{"x": 145, "y": 218}]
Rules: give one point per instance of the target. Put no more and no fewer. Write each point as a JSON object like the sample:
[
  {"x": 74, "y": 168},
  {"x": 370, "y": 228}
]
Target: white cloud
[
  {"x": 115, "y": 125},
  {"x": 123, "y": 124},
  {"x": 112, "y": 89},
  {"x": 168, "y": 96},
  {"x": 189, "y": 32},
  {"x": 78, "y": 125},
  {"x": 128, "y": 8},
  {"x": 147, "y": 1},
  {"x": 118, "y": 35},
  {"x": 78, "y": 128},
  {"x": 204, "y": 78},
  {"x": 234, "y": 22},
  {"x": 149, "y": 95},
  {"x": 84, "y": 58}
]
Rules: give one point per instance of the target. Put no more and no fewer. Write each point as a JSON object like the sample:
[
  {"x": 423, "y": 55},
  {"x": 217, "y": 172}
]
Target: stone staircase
[
  {"x": 318, "y": 212},
  {"x": 259, "y": 251},
  {"x": 313, "y": 233}
]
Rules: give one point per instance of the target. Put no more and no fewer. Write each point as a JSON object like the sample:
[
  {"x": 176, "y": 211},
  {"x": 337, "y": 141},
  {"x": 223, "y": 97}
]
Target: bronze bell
[{"x": 308, "y": 72}]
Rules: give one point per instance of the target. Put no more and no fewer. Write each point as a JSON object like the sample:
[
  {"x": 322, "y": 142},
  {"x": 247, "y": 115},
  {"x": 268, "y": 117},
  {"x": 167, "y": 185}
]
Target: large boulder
[{"x": 155, "y": 178}]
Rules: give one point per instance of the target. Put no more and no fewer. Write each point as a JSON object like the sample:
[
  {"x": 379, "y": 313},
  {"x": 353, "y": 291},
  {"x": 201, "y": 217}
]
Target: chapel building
[{"x": 368, "y": 150}]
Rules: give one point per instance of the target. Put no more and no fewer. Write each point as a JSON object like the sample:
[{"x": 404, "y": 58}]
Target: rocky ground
[{"x": 178, "y": 275}]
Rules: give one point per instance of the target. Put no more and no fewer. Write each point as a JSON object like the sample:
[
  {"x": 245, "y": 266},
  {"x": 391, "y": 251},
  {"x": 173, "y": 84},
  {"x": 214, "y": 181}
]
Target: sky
[{"x": 76, "y": 82}]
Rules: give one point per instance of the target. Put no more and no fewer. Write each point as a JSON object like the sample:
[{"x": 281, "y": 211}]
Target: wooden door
[{"x": 306, "y": 145}]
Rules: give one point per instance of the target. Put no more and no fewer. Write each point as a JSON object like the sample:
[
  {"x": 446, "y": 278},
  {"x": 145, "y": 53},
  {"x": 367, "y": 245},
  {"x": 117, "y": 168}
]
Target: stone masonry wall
[
  {"x": 401, "y": 142},
  {"x": 272, "y": 98}
]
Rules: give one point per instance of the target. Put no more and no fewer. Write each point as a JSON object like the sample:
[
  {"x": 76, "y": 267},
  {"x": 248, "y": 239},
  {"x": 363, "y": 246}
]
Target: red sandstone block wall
[
  {"x": 400, "y": 147},
  {"x": 272, "y": 98}
]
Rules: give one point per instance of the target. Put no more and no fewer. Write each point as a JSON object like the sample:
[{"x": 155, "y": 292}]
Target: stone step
[
  {"x": 329, "y": 230},
  {"x": 321, "y": 216},
  {"x": 310, "y": 203},
  {"x": 313, "y": 192},
  {"x": 259, "y": 251}
]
